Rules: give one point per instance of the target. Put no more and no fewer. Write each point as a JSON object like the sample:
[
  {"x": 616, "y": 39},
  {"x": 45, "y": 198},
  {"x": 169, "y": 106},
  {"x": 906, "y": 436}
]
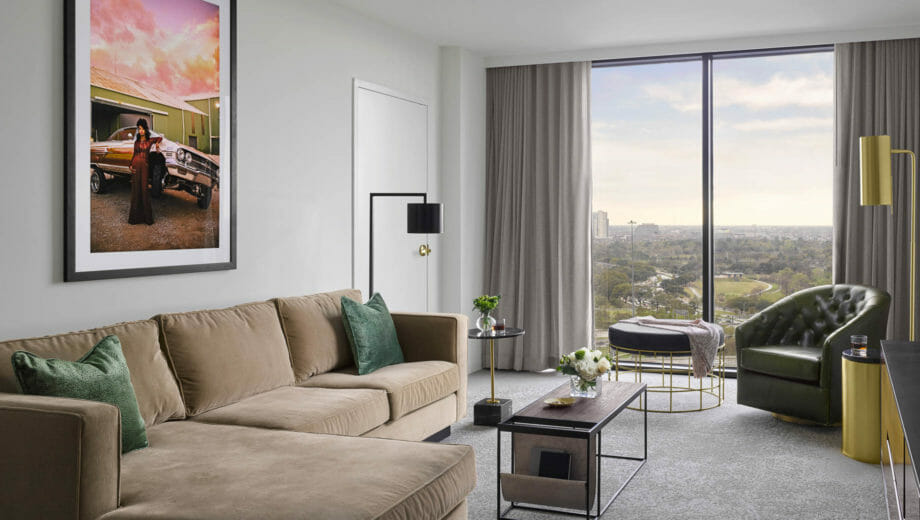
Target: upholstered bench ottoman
[{"x": 640, "y": 349}]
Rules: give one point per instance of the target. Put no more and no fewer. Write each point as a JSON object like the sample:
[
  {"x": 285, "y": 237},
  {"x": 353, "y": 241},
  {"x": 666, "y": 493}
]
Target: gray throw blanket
[{"x": 704, "y": 339}]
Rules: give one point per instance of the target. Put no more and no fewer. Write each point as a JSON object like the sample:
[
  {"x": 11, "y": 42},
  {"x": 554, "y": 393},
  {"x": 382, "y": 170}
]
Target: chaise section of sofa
[{"x": 204, "y": 471}]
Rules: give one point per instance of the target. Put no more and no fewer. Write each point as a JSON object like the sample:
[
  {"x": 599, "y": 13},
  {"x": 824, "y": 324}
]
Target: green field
[{"x": 731, "y": 287}]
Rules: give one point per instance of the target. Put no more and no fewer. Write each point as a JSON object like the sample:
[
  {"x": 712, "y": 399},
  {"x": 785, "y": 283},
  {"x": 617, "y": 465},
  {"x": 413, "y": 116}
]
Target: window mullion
[{"x": 708, "y": 302}]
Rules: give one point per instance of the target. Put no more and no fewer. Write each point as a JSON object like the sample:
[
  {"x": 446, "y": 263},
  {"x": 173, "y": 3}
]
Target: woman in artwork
[{"x": 141, "y": 211}]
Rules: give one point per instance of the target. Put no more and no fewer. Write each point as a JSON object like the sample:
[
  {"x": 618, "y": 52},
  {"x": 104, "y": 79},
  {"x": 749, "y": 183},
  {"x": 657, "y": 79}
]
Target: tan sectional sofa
[{"x": 252, "y": 412}]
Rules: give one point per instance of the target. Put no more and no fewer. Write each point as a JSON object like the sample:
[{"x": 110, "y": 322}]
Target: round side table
[
  {"x": 861, "y": 421},
  {"x": 491, "y": 411}
]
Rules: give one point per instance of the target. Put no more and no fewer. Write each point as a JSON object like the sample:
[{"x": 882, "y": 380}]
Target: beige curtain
[
  {"x": 538, "y": 210},
  {"x": 877, "y": 92}
]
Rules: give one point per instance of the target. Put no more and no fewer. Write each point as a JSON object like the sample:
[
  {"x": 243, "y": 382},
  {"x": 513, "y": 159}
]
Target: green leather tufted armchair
[{"x": 789, "y": 353}]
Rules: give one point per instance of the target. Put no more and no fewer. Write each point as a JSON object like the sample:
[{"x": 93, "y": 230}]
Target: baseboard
[{"x": 439, "y": 436}]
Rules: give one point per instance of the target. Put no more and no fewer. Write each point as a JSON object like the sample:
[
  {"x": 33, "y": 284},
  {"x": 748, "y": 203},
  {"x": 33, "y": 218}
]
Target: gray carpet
[{"x": 729, "y": 462}]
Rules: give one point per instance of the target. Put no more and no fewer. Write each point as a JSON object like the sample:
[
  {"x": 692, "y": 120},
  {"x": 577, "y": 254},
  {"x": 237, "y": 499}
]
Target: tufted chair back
[{"x": 808, "y": 317}]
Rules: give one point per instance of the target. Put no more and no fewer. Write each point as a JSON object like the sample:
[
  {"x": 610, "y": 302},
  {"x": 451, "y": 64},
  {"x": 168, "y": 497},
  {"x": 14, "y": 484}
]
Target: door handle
[{"x": 424, "y": 250}]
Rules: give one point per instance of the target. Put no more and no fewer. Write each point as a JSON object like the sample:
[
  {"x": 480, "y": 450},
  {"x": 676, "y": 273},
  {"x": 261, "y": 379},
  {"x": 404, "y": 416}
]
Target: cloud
[
  {"x": 781, "y": 90},
  {"x": 785, "y": 124},
  {"x": 120, "y": 20},
  {"x": 603, "y": 127},
  {"x": 128, "y": 39},
  {"x": 684, "y": 96}
]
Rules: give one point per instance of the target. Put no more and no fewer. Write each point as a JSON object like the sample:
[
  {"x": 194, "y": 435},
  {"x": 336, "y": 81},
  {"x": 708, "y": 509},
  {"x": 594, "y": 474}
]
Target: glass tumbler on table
[{"x": 859, "y": 343}]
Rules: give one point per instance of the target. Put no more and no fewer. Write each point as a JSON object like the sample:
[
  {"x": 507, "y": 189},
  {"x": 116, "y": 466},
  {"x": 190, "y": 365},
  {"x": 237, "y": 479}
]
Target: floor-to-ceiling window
[
  {"x": 767, "y": 117},
  {"x": 772, "y": 171},
  {"x": 646, "y": 225}
]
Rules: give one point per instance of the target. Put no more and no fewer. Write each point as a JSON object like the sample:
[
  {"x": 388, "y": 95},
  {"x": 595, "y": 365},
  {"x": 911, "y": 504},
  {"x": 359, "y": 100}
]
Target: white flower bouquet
[{"x": 584, "y": 365}]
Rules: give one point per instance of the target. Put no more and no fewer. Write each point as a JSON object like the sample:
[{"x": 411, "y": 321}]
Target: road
[
  {"x": 178, "y": 221},
  {"x": 769, "y": 287}
]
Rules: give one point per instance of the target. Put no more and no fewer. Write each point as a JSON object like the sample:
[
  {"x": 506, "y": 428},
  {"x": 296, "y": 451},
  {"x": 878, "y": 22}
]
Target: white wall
[
  {"x": 295, "y": 67},
  {"x": 463, "y": 173}
]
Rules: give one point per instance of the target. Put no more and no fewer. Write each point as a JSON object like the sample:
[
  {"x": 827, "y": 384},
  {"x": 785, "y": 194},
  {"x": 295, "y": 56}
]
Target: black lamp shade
[{"x": 423, "y": 217}]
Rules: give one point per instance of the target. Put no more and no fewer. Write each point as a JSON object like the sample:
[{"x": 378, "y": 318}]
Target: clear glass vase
[
  {"x": 584, "y": 387},
  {"x": 485, "y": 322}
]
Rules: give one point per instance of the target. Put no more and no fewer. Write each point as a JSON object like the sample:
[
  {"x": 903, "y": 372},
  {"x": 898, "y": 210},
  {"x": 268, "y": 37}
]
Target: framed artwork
[{"x": 150, "y": 137}]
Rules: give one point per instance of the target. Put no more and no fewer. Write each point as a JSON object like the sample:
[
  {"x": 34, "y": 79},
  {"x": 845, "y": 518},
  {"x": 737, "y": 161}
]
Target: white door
[{"x": 390, "y": 156}]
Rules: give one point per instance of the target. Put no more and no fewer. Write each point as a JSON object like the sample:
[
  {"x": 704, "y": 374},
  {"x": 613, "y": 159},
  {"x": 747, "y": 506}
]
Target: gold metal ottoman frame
[{"x": 716, "y": 376}]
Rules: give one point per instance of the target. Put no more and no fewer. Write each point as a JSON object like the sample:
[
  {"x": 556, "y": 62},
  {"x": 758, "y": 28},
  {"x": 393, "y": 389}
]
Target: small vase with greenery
[{"x": 485, "y": 304}]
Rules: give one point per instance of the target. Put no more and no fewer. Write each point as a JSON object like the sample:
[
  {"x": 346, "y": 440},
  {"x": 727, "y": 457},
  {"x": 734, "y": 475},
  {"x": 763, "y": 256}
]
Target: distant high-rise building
[{"x": 600, "y": 225}]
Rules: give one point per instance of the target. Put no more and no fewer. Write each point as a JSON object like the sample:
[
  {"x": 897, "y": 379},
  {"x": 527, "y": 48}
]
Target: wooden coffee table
[{"x": 586, "y": 420}]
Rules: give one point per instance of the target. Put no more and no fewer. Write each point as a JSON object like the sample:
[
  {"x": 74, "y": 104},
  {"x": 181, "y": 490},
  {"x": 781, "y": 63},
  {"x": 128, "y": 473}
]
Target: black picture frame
[{"x": 71, "y": 274}]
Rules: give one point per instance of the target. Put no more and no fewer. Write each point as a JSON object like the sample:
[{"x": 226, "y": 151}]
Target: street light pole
[{"x": 632, "y": 263}]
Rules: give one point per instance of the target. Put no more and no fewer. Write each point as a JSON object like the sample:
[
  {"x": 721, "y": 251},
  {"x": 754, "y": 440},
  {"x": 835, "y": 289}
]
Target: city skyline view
[{"x": 646, "y": 141}]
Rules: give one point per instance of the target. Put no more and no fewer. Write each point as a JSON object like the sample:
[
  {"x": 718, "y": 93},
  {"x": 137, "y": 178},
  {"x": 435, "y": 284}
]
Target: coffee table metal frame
[{"x": 572, "y": 429}]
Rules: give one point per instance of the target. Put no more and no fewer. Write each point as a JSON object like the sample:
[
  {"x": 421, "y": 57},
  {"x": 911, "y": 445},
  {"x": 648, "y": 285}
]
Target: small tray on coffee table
[{"x": 570, "y": 429}]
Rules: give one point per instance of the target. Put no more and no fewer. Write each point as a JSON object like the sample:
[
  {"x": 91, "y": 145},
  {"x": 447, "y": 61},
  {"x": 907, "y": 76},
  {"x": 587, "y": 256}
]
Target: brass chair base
[
  {"x": 804, "y": 422},
  {"x": 626, "y": 360}
]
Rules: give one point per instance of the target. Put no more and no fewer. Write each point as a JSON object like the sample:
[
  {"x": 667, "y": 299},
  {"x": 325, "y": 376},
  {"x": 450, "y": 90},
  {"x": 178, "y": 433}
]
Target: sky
[
  {"x": 172, "y": 45},
  {"x": 773, "y": 141}
]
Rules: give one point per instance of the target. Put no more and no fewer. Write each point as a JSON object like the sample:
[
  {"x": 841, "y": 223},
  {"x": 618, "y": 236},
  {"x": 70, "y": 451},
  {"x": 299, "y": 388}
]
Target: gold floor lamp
[{"x": 875, "y": 190}]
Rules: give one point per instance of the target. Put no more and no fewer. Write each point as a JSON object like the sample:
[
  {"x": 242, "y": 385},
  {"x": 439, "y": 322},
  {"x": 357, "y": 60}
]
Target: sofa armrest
[
  {"x": 426, "y": 336},
  {"x": 60, "y": 458}
]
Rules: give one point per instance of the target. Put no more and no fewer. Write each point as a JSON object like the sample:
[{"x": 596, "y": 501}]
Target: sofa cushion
[
  {"x": 154, "y": 385},
  {"x": 222, "y": 356},
  {"x": 409, "y": 386},
  {"x": 309, "y": 410},
  {"x": 253, "y": 473},
  {"x": 789, "y": 362},
  {"x": 100, "y": 375},
  {"x": 371, "y": 334},
  {"x": 315, "y": 333}
]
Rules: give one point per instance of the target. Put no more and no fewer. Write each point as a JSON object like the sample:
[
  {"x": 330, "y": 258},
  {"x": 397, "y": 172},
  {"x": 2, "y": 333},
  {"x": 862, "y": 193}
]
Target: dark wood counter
[{"x": 900, "y": 408}]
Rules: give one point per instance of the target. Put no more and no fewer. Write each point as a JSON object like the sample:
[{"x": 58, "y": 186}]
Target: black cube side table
[{"x": 491, "y": 411}]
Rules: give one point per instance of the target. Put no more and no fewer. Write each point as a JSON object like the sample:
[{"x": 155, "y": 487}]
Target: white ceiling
[{"x": 494, "y": 28}]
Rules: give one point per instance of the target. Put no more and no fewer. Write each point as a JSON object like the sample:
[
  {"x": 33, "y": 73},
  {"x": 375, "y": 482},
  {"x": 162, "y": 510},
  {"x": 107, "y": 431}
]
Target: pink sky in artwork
[{"x": 171, "y": 45}]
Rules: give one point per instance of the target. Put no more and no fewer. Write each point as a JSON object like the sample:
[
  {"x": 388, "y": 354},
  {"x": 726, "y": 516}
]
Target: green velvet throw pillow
[
  {"x": 371, "y": 334},
  {"x": 100, "y": 375}
]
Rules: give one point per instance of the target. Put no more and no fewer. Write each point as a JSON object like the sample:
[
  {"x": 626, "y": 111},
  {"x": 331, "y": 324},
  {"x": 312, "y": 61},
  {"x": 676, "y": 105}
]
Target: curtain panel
[
  {"x": 877, "y": 91},
  {"x": 538, "y": 210}
]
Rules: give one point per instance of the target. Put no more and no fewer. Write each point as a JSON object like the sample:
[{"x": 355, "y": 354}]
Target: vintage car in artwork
[{"x": 174, "y": 167}]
